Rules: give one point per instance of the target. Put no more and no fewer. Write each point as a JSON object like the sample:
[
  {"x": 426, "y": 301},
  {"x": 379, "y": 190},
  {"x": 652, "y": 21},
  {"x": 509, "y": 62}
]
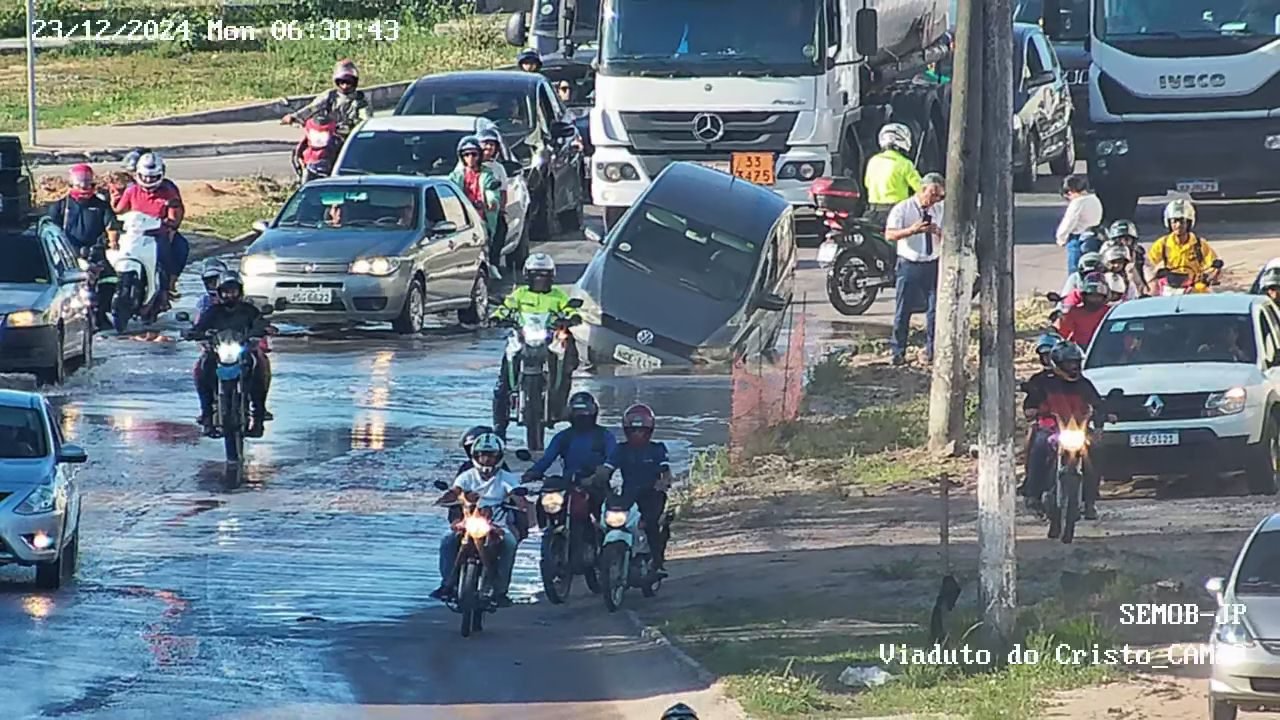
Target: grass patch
[
  {"x": 96, "y": 84},
  {"x": 254, "y": 198}
]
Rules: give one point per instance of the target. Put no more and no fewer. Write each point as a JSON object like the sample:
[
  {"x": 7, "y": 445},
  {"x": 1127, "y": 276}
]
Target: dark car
[
  {"x": 536, "y": 126},
  {"x": 1042, "y": 131},
  {"x": 45, "y": 317},
  {"x": 700, "y": 270},
  {"x": 1067, "y": 33},
  {"x": 16, "y": 187}
]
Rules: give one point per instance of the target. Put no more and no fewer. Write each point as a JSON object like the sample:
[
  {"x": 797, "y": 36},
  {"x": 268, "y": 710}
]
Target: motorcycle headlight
[
  {"x": 26, "y": 318},
  {"x": 477, "y": 527},
  {"x": 229, "y": 353},
  {"x": 615, "y": 518},
  {"x": 534, "y": 335},
  {"x": 257, "y": 265},
  {"x": 378, "y": 266},
  {"x": 1228, "y": 402},
  {"x": 552, "y": 502},
  {"x": 1071, "y": 440},
  {"x": 44, "y": 499}
]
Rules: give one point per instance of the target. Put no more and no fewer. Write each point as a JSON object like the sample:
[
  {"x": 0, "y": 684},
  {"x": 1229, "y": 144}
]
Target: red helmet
[{"x": 639, "y": 417}]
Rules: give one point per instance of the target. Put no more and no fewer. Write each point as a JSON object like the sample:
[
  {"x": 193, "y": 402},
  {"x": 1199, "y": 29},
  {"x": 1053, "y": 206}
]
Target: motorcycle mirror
[
  {"x": 260, "y": 225},
  {"x": 441, "y": 485},
  {"x": 84, "y": 252},
  {"x": 182, "y": 317},
  {"x": 1218, "y": 264},
  {"x": 575, "y": 303},
  {"x": 524, "y": 455},
  {"x": 520, "y": 491},
  {"x": 1053, "y": 297}
]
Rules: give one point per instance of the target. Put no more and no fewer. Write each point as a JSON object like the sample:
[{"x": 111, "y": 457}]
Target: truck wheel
[
  {"x": 1260, "y": 474},
  {"x": 1118, "y": 204}
]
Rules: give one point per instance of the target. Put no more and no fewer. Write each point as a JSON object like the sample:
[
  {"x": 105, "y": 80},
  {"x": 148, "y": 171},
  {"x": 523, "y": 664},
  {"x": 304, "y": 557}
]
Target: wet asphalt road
[{"x": 297, "y": 589}]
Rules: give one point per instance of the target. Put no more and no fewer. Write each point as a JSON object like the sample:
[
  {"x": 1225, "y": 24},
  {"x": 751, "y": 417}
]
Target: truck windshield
[
  {"x": 1187, "y": 19},
  {"x": 1075, "y": 17},
  {"x": 699, "y": 38}
]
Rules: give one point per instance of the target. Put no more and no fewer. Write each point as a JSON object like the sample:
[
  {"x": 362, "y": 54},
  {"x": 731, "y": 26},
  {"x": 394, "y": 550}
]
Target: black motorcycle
[
  {"x": 570, "y": 538},
  {"x": 480, "y": 542},
  {"x": 102, "y": 284},
  {"x": 233, "y": 351},
  {"x": 534, "y": 338},
  {"x": 857, "y": 258}
]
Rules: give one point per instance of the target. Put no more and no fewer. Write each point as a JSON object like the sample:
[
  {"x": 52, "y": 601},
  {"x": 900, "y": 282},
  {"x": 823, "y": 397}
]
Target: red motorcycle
[{"x": 317, "y": 152}]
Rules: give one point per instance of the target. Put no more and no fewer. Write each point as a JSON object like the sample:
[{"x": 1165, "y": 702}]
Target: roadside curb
[
  {"x": 380, "y": 97},
  {"x": 208, "y": 149},
  {"x": 705, "y": 676}
]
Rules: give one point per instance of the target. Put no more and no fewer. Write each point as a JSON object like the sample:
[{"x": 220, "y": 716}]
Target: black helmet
[
  {"x": 680, "y": 711},
  {"x": 1067, "y": 358},
  {"x": 468, "y": 144},
  {"x": 469, "y": 438},
  {"x": 1270, "y": 279},
  {"x": 529, "y": 55},
  {"x": 230, "y": 280},
  {"x": 583, "y": 410}
]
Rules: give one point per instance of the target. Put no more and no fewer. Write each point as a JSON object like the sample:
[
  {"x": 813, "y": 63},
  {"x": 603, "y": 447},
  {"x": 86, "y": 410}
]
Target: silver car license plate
[
  {"x": 1153, "y": 439},
  {"x": 1197, "y": 186},
  {"x": 310, "y": 296}
]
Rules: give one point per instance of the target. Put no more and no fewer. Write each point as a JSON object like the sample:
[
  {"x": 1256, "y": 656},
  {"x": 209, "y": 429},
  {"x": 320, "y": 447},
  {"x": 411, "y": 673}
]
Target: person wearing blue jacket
[
  {"x": 83, "y": 214},
  {"x": 583, "y": 447},
  {"x": 645, "y": 474}
]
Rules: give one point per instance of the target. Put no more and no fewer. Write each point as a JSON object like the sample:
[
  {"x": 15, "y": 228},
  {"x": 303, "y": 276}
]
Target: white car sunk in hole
[{"x": 1200, "y": 377}]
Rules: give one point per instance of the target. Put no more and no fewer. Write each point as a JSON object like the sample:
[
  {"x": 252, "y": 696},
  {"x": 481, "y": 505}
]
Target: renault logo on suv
[
  {"x": 1154, "y": 406},
  {"x": 707, "y": 127}
]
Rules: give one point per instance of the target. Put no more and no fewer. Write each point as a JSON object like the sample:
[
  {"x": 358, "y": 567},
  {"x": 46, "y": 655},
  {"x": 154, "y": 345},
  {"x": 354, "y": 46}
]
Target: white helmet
[
  {"x": 1112, "y": 251},
  {"x": 1179, "y": 209},
  {"x": 1117, "y": 283},
  {"x": 539, "y": 262},
  {"x": 895, "y": 136},
  {"x": 150, "y": 172},
  {"x": 486, "y": 454}
]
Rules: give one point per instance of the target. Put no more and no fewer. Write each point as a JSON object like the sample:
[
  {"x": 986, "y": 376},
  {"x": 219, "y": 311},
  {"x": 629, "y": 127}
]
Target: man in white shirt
[
  {"x": 915, "y": 224},
  {"x": 1084, "y": 211}
]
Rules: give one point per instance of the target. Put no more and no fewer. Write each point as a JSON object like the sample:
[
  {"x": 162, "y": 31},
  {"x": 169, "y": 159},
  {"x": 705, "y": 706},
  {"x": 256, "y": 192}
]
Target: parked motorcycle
[
  {"x": 570, "y": 539},
  {"x": 857, "y": 258},
  {"x": 534, "y": 340},
  {"x": 1171, "y": 283},
  {"x": 139, "y": 291},
  {"x": 316, "y": 154},
  {"x": 477, "y": 561},
  {"x": 625, "y": 558}
]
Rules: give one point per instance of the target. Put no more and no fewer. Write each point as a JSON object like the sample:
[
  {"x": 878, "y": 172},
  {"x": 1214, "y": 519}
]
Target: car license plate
[
  {"x": 721, "y": 165},
  {"x": 630, "y": 356},
  {"x": 1153, "y": 439},
  {"x": 1197, "y": 186},
  {"x": 756, "y": 167},
  {"x": 310, "y": 296},
  {"x": 827, "y": 252}
]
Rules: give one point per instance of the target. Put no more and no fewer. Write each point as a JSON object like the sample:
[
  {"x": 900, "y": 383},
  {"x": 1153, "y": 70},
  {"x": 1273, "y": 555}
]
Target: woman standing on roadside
[{"x": 1084, "y": 211}]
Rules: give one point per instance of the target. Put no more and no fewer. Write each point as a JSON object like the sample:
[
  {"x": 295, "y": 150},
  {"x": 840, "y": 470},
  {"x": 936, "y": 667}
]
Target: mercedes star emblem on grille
[
  {"x": 645, "y": 337},
  {"x": 707, "y": 127},
  {"x": 1154, "y": 406},
  {"x": 309, "y": 267}
]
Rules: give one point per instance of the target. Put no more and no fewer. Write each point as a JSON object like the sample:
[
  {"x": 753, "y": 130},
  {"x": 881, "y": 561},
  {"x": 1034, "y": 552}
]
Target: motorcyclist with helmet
[
  {"x": 891, "y": 175},
  {"x": 538, "y": 295},
  {"x": 231, "y": 312},
  {"x": 1269, "y": 284},
  {"x": 490, "y": 141},
  {"x": 1125, "y": 232},
  {"x": 1256, "y": 288},
  {"x": 529, "y": 60},
  {"x": 478, "y": 182},
  {"x": 639, "y": 469},
  {"x": 156, "y": 196},
  {"x": 211, "y": 273},
  {"x": 1062, "y": 392},
  {"x": 1182, "y": 251},
  {"x": 86, "y": 218},
  {"x": 1078, "y": 324},
  {"x": 1116, "y": 272},
  {"x": 344, "y": 102},
  {"x": 582, "y": 448},
  {"x": 1089, "y": 264},
  {"x": 1044, "y": 349},
  {"x": 486, "y": 478}
]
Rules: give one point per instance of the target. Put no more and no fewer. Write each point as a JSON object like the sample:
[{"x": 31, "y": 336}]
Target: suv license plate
[
  {"x": 1197, "y": 186},
  {"x": 311, "y": 296},
  {"x": 641, "y": 360},
  {"x": 1154, "y": 439}
]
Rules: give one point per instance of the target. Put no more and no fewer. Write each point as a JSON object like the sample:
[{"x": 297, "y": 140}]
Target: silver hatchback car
[
  {"x": 39, "y": 497},
  {"x": 381, "y": 248},
  {"x": 1246, "y": 634}
]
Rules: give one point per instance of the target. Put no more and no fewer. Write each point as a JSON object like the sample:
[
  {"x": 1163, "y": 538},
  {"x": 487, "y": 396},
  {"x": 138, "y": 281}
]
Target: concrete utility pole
[
  {"x": 996, "y": 480},
  {"x": 31, "y": 72},
  {"x": 959, "y": 231}
]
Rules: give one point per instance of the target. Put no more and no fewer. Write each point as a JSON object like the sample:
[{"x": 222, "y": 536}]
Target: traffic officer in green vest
[{"x": 891, "y": 175}]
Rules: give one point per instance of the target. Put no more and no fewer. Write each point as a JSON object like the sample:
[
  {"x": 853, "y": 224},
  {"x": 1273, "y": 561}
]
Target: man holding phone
[{"x": 915, "y": 224}]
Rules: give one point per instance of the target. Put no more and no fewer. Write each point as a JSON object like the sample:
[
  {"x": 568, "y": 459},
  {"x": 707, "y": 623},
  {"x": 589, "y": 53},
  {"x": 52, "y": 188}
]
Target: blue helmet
[
  {"x": 469, "y": 144},
  {"x": 1046, "y": 342},
  {"x": 529, "y": 55}
]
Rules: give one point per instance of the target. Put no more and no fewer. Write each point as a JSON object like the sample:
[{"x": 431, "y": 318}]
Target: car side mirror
[
  {"x": 593, "y": 236},
  {"x": 512, "y": 167},
  {"x": 1216, "y": 587},
  {"x": 561, "y": 130},
  {"x": 1041, "y": 79},
  {"x": 517, "y": 31},
  {"x": 771, "y": 302},
  {"x": 524, "y": 455},
  {"x": 260, "y": 225},
  {"x": 72, "y": 455},
  {"x": 444, "y": 227},
  {"x": 441, "y": 485},
  {"x": 1053, "y": 297},
  {"x": 182, "y": 316},
  {"x": 866, "y": 32}
]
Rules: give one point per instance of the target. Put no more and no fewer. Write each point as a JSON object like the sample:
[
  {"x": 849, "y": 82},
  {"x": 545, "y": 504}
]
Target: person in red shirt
[
  {"x": 1080, "y": 322},
  {"x": 151, "y": 194}
]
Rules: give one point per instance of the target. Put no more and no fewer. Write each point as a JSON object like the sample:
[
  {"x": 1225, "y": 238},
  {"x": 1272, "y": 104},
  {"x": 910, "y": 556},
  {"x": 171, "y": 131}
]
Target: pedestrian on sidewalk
[
  {"x": 1084, "y": 212},
  {"x": 915, "y": 224}
]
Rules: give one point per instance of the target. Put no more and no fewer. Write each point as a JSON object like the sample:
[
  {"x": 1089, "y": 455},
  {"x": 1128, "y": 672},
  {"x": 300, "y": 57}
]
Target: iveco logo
[
  {"x": 645, "y": 337},
  {"x": 707, "y": 127},
  {"x": 1191, "y": 81},
  {"x": 1077, "y": 76},
  {"x": 1154, "y": 406}
]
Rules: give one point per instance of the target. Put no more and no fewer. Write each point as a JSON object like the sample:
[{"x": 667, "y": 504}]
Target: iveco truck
[
  {"x": 1183, "y": 95},
  {"x": 775, "y": 92}
]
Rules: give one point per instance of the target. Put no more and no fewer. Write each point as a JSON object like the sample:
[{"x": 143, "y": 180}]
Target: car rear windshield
[
  {"x": 508, "y": 109},
  {"x": 24, "y": 260},
  {"x": 384, "y": 152},
  {"x": 693, "y": 254},
  {"x": 1260, "y": 571},
  {"x": 345, "y": 207},
  {"x": 21, "y": 434},
  {"x": 1173, "y": 339}
]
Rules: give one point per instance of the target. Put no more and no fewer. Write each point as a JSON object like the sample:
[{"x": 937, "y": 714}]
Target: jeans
[
  {"x": 1040, "y": 466},
  {"x": 1074, "y": 251},
  {"x": 451, "y": 542},
  {"x": 557, "y": 395},
  {"x": 914, "y": 278}
]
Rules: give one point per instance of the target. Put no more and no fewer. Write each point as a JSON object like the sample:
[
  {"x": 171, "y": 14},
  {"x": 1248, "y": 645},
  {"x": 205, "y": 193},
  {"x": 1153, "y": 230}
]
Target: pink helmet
[
  {"x": 81, "y": 175},
  {"x": 345, "y": 70}
]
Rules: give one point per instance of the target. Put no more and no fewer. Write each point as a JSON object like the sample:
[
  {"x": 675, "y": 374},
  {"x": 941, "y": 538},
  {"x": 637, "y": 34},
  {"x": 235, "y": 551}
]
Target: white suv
[{"x": 1200, "y": 377}]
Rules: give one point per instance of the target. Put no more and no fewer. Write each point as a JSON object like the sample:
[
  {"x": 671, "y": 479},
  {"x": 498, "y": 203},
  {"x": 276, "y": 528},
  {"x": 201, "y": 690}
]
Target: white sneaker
[{"x": 494, "y": 273}]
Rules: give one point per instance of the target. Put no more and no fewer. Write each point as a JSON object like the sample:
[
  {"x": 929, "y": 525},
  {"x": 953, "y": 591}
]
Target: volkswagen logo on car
[
  {"x": 708, "y": 127},
  {"x": 645, "y": 337}
]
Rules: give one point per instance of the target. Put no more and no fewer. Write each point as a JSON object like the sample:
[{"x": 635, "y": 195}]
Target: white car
[
  {"x": 1200, "y": 377},
  {"x": 428, "y": 145}
]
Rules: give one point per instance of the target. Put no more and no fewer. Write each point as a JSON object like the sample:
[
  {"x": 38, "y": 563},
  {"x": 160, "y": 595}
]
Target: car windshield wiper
[{"x": 634, "y": 263}]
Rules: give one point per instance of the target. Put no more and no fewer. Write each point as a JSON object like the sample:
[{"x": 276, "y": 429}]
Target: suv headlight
[
  {"x": 44, "y": 499},
  {"x": 1228, "y": 402},
  {"x": 26, "y": 318},
  {"x": 378, "y": 266},
  {"x": 1234, "y": 634},
  {"x": 257, "y": 265}
]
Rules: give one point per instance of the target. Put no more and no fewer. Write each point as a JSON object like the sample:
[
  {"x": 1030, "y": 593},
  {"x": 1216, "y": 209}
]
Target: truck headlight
[
  {"x": 378, "y": 266},
  {"x": 1228, "y": 402},
  {"x": 801, "y": 170},
  {"x": 26, "y": 318},
  {"x": 1113, "y": 147},
  {"x": 1272, "y": 142},
  {"x": 257, "y": 265}
]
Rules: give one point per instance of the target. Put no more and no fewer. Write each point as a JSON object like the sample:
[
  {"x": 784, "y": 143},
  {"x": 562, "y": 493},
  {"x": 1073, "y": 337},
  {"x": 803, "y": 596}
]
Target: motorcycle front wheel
[
  {"x": 842, "y": 285},
  {"x": 613, "y": 574},
  {"x": 532, "y": 409},
  {"x": 1069, "y": 486},
  {"x": 557, "y": 574},
  {"x": 469, "y": 600},
  {"x": 231, "y": 412}
]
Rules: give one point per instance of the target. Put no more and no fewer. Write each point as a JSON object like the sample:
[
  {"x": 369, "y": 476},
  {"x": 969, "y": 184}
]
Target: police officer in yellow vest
[{"x": 891, "y": 175}]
